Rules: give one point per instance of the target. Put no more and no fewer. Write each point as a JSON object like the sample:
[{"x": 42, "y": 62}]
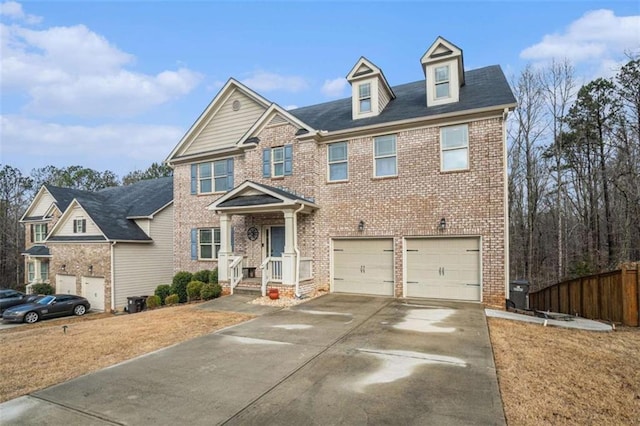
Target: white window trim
[
  {"x": 213, "y": 244},
  {"x": 212, "y": 178},
  {"x": 31, "y": 272},
  {"x": 443, "y": 149},
  {"x": 38, "y": 234},
  {"x": 363, "y": 98},
  {"x": 395, "y": 155},
  {"x": 438, "y": 83},
  {"x": 44, "y": 266},
  {"x": 273, "y": 161},
  {"x": 329, "y": 162}
]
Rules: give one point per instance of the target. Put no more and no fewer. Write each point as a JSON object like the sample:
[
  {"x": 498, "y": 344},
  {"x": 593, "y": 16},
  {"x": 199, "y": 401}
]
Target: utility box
[
  {"x": 136, "y": 304},
  {"x": 519, "y": 294}
]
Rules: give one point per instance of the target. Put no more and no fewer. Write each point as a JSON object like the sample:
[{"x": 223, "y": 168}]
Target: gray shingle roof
[
  {"x": 484, "y": 87},
  {"x": 37, "y": 251},
  {"x": 110, "y": 208}
]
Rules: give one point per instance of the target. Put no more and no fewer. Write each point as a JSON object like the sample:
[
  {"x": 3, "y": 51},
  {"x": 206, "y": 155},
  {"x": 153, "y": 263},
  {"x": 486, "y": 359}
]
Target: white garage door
[
  {"x": 93, "y": 291},
  {"x": 363, "y": 266},
  {"x": 443, "y": 268},
  {"x": 65, "y": 284}
]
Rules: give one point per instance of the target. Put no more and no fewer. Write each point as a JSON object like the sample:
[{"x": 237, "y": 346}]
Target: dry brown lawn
[
  {"x": 551, "y": 375},
  {"x": 36, "y": 356}
]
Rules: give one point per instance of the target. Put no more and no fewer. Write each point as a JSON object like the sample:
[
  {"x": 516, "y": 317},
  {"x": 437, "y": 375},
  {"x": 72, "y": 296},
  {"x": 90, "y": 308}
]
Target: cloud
[
  {"x": 597, "y": 36},
  {"x": 74, "y": 71},
  {"x": 263, "y": 81},
  {"x": 52, "y": 143},
  {"x": 13, "y": 10},
  {"x": 334, "y": 88}
]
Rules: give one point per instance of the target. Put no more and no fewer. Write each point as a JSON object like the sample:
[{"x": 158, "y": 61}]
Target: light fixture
[
  {"x": 361, "y": 226},
  {"x": 443, "y": 224},
  {"x": 91, "y": 269},
  {"x": 64, "y": 267}
]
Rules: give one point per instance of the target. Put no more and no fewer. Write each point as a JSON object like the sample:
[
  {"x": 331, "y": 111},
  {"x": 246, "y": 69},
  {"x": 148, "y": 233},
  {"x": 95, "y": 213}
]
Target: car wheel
[
  {"x": 31, "y": 317},
  {"x": 79, "y": 310}
]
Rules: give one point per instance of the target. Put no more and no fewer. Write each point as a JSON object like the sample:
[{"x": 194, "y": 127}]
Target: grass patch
[
  {"x": 550, "y": 375},
  {"x": 40, "y": 355}
]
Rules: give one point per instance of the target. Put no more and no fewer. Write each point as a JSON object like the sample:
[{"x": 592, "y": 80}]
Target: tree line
[
  {"x": 18, "y": 190},
  {"x": 574, "y": 173}
]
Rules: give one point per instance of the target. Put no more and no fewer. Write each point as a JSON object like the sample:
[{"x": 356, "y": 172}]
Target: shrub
[
  {"x": 153, "y": 301},
  {"x": 172, "y": 299},
  {"x": 202, "y": 276},
  {"x": 193, "y": 290},
  {"x": 179, "y": 284},
  {"x": 162, "y": 291},
  {"x": 211, "y": 291},
  {"x": 42, "y": 288},
  {"x": 213, "y": 276}
]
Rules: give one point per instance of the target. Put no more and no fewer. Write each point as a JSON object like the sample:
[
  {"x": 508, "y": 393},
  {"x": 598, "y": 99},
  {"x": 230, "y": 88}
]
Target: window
[
  {"x": 44, "y": 271},
  {"x": 31, "y": 274},
  {"x": 38, "y": 232},
  {"x": 442, "y": 81},
  {"x": 213, "y": 177},
  {"x": 79, "y": 226},
  {"x": 454, "y": 142},
  {"x": 208, "y": 243},
  {"x": 364, "y": 97},
  {"x": 338, "y": 163},
  {"x": 385, "y": 156},
  {"x": 277, "y": 161}
]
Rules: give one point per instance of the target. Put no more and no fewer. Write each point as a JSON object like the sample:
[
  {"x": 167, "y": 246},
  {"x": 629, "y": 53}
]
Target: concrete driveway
[{"x": 337, "y": 359}]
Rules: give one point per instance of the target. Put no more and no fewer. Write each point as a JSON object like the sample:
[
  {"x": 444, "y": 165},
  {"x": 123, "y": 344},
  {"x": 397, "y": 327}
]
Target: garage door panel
[
  {"x": 443, "y": 268},
  {"x": 66, "y": 284},
  {"x": 93, "y": 291},
  {"x": 363, "y": 266}
]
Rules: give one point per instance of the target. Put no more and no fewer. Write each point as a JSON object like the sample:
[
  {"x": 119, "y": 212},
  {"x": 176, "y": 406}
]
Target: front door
[{"x": 276, "y": 246}]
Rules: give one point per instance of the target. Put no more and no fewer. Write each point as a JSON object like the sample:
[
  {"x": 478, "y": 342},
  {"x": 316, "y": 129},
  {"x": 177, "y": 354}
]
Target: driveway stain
[
  {"x": 253, "y": 341},
  {"x": 293, "y": 326},
  {"x": 423, "y": 320},
  {"x": 398, "y": 364}
]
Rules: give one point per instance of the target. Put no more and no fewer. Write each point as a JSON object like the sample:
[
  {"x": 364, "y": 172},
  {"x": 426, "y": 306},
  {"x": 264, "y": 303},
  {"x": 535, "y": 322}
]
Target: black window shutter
[
  {"x": 229, "y": 174},
  {"x": 194, "y": 244}
]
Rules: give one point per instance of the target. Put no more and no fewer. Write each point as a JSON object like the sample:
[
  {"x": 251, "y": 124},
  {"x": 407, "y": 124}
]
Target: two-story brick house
[
  {"x": 396, "y": 191},
  {"x": 105, "y": 245}
]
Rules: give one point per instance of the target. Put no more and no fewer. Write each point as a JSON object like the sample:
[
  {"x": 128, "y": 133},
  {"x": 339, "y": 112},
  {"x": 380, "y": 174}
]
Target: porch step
[{"x": 253, "y": 291}]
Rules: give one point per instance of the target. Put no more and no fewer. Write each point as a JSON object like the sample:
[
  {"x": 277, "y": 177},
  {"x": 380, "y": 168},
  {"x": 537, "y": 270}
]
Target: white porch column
[
  {"x": 225, "y": 252},
  {"x": 289, "y": 255}
]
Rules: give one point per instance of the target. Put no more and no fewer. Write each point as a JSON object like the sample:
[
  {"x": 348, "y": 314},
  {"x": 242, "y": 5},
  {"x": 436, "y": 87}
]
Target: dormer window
[
  {"x": 370, "y": 91},
  {"x": 365, "y": 97},
  {"x": 443, "y": 72},
  {"x": 442, "y": 82}
]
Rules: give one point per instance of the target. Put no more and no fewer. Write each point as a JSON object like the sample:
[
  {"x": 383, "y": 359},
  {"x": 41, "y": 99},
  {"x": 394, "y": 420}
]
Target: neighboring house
[
  {"x": 105, "y": 245},
  {"x": 396, "y": 191}
]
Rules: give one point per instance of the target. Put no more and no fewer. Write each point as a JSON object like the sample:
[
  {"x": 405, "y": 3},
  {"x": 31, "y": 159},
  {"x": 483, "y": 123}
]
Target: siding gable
[
  {"x": 40, "y": 204},
  {"x": 65, "y": 227},
  {"x": 231, "y": 121}
]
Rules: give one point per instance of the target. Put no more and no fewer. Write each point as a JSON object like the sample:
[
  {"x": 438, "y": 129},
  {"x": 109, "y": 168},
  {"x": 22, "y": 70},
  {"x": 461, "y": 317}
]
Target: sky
[{"x": 114, "y": 85}]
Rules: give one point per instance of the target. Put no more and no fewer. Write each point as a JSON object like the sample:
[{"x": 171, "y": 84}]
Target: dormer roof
[
  {"x": 364, "y": 68},
  {"x": 440, "y": 50}
]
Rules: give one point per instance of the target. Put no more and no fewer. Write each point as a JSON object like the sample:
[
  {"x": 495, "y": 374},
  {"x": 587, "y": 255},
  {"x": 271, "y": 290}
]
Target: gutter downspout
[
  {"x": 296, "y": 249},
  {"x": 113, "y": 270}
]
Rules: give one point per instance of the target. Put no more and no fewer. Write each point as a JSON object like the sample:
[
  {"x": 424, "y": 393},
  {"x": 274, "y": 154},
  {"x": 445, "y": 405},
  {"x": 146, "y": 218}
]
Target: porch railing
[
  {"x": 235, "y": 271},
  {"x": 275, "y": 264},
  {"x": 306, "y": 268}
]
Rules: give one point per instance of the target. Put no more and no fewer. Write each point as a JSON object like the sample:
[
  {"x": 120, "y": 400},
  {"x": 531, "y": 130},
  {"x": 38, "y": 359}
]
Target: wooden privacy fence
[{"x": 609, "y": 296}]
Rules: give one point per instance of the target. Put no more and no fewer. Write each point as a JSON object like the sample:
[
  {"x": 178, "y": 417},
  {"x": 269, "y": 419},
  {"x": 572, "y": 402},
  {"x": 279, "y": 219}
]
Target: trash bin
[
  {"x": 519, "y": 294},
  {"x": 136, "y": 304}
]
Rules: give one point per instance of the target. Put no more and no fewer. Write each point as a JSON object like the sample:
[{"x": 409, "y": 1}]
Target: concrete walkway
[{"x": 336, "y": 359}]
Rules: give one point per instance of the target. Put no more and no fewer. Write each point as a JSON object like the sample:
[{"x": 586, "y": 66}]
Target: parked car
[
  {"x": 56, "y": 305},
  {"x": 10, "y": 297}
]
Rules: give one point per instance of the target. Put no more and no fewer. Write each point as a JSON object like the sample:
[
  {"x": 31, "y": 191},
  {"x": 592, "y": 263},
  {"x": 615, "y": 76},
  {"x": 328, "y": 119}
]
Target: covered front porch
[{"x": 268, "y": 250}]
